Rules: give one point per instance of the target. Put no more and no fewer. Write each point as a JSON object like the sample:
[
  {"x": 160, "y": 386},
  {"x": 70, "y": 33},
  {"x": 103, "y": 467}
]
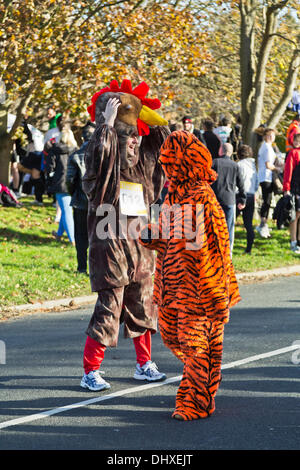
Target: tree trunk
[
  {"x": 5, "y": 146},
  {"x": 257, "y": 103},
  {"x": 5, "y": 152},
  {"x": 6, "y": 143},
  {"x": 253, "y": 76},
  {"x": 247, "y": 60}
]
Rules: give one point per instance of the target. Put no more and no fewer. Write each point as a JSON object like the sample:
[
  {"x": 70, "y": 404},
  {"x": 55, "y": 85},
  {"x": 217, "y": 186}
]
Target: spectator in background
[
  {"x": 223, "y": 131},
  {"x": 31, "y": 163},
  {"x": 266, "y": 166},
  {"x": 259, "y": 137},
  {"x": 291, "y": 187},
  {"x": 212, "y": 142},
  {"x": 77, "y": 128},
  {"x": 52, "y": 116},
  {"x": 53, "y": 133},
  {"x": 236, "y": 136},
  {"x": 174, "y": 126},
  {"x": 188, "y": 125},
  {"x": 15, "y": 174},
  {"x": 249, "y": 176},
  {"x": 54, "y": 128},
  {"x": 79, "y": 201},
  {"x": 293, "y": 129},
  {"x": 229, "y": 177},
  {"x": 294, "y": 104},
  {"x": 57, "y": 154}
]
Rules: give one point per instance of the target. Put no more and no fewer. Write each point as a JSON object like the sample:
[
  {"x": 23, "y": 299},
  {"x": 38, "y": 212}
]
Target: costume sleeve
[
  {"x": 151, "y": 238},
  {"x": 101, "y": 181},
  {"x": 149, "y": 153}
]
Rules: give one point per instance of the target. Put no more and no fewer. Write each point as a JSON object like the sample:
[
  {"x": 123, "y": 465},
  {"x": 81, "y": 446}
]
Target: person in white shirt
[
  {"x": 266, "y": 166},
  {"x": 223, "y": 131}
]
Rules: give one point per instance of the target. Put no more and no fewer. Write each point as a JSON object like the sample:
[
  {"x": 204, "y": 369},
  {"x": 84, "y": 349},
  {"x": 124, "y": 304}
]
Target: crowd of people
[
  {"x": 55, "y": 167},
  {"x": 128, "y": 160},
  {"x": 58, "y": 168},
  {"x": 245, "y": 183}
]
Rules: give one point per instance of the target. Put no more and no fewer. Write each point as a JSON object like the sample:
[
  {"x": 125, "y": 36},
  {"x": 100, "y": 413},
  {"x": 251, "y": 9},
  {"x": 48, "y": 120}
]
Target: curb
[
  {"x": 59, "y": 304},
  {"x": 268, "y": 274},
  {"x": 76, "y": 302}
]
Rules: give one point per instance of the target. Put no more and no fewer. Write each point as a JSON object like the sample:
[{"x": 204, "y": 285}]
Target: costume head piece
[
  {"x": 135, "y": 108},
  {"x": 185, "y": 161}
]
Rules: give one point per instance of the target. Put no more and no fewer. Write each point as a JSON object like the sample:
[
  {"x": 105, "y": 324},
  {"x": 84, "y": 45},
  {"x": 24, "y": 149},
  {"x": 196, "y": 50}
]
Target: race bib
[{"x": 132, "y": 199}]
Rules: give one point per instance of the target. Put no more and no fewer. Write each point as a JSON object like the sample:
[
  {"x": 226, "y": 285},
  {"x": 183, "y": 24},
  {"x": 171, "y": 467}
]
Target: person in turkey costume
[{"x": 121, "y": 161}]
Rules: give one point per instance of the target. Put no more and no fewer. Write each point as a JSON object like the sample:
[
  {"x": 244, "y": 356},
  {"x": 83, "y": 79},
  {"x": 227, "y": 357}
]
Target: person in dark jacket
[
  {"x": 212, "y": 141},
  {"x": 229, "y": 177},
  {"x": 123, "y": 179},
  {"x": 56, "y": 160},
  {"x": 79, "y": 201},
  {"x": 291, "y": 187}
]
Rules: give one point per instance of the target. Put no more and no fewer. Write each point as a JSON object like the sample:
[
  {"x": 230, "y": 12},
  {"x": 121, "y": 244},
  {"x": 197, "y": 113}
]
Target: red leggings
[{"x": 94, "y": 352}]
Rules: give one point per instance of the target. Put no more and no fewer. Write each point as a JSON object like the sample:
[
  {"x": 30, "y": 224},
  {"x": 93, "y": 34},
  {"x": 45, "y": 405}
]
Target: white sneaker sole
[
  {"x": 149, "y": 379},
  {"x": 93, "y": 389}
]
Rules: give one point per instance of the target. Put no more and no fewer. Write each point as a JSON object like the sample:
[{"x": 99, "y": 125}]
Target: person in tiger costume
[{"x": 195, "y": 284}]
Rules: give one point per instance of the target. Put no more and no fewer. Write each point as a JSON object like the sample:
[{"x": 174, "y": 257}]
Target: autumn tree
[
  {"x": 53, "y": 50},
  {"x": 261, "y": 25},
  {"x": 255, "y": 50},
  {"x": 44, "y": 49}
]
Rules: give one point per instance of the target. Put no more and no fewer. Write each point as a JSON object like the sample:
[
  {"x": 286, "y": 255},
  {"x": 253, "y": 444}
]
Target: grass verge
[
  {"x": 34, "y": 267},
  {"x": 266, "y": 253}
]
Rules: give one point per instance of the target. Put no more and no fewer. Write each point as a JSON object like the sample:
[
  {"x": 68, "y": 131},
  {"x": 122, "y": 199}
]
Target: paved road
[{"x": 258, "y": 403}]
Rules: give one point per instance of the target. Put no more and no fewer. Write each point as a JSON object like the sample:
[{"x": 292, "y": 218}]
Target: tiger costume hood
[{"x": 185, "y": 161}]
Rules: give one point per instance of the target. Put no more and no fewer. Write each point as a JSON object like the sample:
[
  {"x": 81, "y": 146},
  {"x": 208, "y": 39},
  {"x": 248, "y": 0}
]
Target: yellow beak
[{"x": 151, "y": 118}]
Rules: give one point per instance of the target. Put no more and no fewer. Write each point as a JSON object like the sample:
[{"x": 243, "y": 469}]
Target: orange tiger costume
[{"x": 195, "y": 283}]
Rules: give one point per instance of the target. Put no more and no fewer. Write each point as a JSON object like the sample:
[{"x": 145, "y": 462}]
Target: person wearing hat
[
  {"x": 293, "y": 129},
  {"x": 188, "y": 125}
]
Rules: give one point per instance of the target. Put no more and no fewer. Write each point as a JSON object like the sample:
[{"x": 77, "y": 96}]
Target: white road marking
[{"x": 140, "y": 388}]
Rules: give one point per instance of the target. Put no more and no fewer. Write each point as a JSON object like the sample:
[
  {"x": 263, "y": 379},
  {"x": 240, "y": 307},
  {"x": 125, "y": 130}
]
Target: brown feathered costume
[{"x": 120, "y": 268}]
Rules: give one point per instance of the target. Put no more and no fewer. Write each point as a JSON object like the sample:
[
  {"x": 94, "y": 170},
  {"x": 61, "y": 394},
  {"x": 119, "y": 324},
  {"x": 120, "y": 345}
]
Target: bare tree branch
[
  {"x": 290, "y": 85},
  {"x": 21, "y": 108}
]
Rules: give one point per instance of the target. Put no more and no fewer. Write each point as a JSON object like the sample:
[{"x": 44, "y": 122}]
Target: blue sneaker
[
  {"x": 93, "y": 381},
  {"x": 149, "y": 372}
]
